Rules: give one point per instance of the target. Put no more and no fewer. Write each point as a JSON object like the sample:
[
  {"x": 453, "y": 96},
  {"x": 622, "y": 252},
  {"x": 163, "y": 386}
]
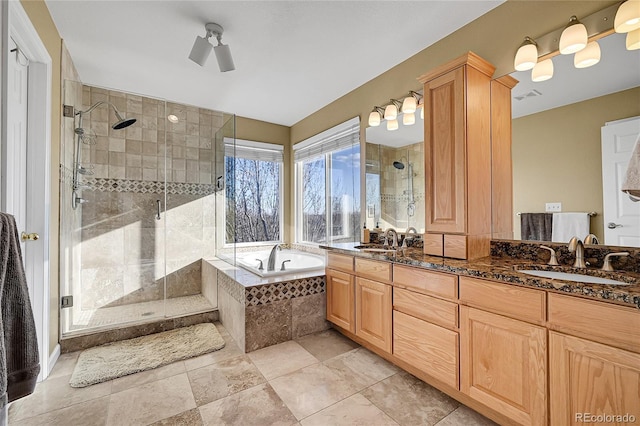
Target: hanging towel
[
  {"x": 19, "y": 361},
  {"x": 536, "y": 226},
  {"x": 568, "y": 225},
  {"x": 631, "y": 183}
]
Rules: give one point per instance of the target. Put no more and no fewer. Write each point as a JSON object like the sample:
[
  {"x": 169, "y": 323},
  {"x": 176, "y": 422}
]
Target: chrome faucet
[
  {"x": 406, "y": 235},
  {"x": 576, "y": 245},
  {"x": 394, "y": 233},
  {"x": 271, "y": 263},
  {"x": 591, "y": 239}
]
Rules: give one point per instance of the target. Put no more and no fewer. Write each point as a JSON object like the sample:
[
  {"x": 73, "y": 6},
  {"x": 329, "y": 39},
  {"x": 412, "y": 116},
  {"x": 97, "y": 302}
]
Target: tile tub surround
[
  {"x": 503, "y": 269},
  {"x": 320, "y": 379},
  {"x": 261, "y": 312}
]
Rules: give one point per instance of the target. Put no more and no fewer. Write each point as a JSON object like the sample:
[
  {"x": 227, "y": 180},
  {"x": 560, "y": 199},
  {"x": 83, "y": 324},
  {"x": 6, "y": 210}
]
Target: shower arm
[{"x": 96, "y": 105}]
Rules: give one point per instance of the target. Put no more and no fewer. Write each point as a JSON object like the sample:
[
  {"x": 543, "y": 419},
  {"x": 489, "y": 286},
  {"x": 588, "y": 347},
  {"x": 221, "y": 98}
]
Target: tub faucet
[
  {"x": 271, "y": 263},
  {"x": 576, "y": 245}
]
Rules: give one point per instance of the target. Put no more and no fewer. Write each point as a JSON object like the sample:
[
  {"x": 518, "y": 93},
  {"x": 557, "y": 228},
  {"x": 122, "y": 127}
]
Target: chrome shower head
[
  {"x": 122, "y": 122},
  {"x": 398, "y": 165}
]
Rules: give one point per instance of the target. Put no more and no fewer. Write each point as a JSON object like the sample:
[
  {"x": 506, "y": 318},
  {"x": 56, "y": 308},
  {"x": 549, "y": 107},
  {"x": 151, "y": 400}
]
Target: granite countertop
[{"x": 505, "y": 270}]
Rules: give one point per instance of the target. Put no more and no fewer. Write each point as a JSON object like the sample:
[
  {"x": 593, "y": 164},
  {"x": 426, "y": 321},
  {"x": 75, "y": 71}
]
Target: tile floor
[{"x": 321, "y": 379}]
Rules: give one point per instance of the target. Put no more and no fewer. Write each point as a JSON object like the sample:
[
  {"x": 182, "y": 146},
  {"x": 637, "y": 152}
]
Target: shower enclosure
[{"x": 138, "y": 207}]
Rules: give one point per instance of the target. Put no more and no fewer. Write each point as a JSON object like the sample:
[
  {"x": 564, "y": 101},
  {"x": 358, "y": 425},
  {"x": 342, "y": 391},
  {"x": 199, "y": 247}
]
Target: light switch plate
[{"x": 553, "y": 207}]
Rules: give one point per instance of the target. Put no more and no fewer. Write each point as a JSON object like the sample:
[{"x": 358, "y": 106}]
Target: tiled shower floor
[{"x": 175, "y": 307}]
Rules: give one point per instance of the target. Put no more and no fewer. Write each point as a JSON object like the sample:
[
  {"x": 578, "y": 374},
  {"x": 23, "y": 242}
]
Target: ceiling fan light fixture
[
  {"x": 574, "y": 37},
  {"x": 627, "y": 17}
]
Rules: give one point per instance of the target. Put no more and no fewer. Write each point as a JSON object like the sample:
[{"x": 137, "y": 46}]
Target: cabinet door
[
  {"x": 444, "y": 126},
  {"x": 340, "y": 299},
  {"x": 588, "y": 378},
  {"x": 503, "y": 364},
  {"x": 374, "y": 312}
]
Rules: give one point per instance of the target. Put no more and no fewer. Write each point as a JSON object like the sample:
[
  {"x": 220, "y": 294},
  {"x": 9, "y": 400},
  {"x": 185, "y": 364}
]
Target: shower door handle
[{"x": 159, "y": 208}]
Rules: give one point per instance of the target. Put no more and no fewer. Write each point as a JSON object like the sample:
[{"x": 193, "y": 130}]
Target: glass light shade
[
  {"x": 627, "y": 17},
  {"x": 542, "y": 71},
  {"x": 392, "y": 124},
  {"x": 408, "y": 118},
  {"x": 409, "y": 104},
  {"x": 526, "y": 57},
  {"x": 391, "y": 112},
  {"x": 422, "y": 111},
  {"x": 633, "y": 40},
  {"x": 588, "y": 56},
  {"x": 374, "y": 118},
  {"x": 574, "y": 37}
]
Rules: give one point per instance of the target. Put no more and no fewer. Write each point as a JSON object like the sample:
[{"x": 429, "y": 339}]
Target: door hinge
[{"x": 66, "y": 302}]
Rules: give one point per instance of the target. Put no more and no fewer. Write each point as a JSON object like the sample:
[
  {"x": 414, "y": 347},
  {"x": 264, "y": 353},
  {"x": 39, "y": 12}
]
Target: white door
[{"x": 621, "y": 214}]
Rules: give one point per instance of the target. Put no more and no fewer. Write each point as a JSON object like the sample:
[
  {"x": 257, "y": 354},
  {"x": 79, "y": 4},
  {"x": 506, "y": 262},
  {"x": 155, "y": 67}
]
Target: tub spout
[{"x": 271, "y": 263}]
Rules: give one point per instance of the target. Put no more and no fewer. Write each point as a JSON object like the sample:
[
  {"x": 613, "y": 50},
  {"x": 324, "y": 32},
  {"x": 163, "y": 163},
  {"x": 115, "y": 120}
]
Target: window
[
  {"x": 328, "y": 185},
  {"x": 253, "y": 192}
]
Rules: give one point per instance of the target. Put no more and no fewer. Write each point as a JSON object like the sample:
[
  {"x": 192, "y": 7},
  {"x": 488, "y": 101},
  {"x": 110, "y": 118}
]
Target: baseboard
[{"x": 53, "y": 358}]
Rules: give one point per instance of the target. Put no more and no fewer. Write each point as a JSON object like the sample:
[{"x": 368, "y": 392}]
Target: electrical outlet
[{"x": 553, "y": 207}]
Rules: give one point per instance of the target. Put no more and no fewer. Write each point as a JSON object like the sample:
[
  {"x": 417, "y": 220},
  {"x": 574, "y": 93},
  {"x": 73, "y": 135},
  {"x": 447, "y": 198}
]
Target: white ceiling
[{"x": 292, "y": 57}]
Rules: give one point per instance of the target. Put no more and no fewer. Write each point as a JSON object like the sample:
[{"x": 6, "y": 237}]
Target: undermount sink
[{"x": 567, "y": 276}]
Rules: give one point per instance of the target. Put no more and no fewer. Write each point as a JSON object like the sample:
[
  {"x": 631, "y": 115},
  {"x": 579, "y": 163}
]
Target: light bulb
[
  {"x": 391, "y": 112},
  {"x": 409, "y": 104},
  {"x": 374, "y": 118},
  {"x": 633, "y": 40},
  {"x": 392, "y": 125},
  {"x": 627, "y": 17},
  {"x": 526, "y": 56},
  {"x": 588, "y": 56},
  {"x": 542, "y": 71},
  {"x": 574, "y": 37},
  {"x": 408, "y": 118}
]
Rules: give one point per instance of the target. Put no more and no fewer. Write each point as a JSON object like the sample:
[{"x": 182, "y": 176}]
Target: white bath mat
[{"x": 117, "y": 359}]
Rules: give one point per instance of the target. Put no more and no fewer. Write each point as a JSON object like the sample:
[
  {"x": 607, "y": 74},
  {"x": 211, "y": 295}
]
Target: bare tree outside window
[{"x": 253, "y": 200}]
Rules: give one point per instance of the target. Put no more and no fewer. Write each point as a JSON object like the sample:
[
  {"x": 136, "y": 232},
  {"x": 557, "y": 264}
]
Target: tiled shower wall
[{"x": 123, "y": 245}]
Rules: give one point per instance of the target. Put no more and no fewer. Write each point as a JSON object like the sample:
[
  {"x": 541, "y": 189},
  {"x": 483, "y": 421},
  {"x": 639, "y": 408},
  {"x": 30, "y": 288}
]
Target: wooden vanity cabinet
[
  {"x": 340, "y": 299},
  {"x": 503, "y": 360},
  {"x": 457, "y": 127},
  {"x": 373, "y": 313}
]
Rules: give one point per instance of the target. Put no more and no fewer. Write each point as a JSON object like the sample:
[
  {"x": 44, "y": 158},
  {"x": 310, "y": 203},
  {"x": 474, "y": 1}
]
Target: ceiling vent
[{"x": 530, "y": 94}]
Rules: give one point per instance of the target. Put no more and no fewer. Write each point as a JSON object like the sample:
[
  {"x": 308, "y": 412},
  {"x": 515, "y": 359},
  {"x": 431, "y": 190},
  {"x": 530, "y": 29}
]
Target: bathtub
[{"x": 299, "y": 262}]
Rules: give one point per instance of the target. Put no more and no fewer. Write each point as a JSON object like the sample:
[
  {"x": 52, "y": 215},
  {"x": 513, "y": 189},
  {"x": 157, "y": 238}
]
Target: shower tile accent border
[{"x": 77, "y": 343}]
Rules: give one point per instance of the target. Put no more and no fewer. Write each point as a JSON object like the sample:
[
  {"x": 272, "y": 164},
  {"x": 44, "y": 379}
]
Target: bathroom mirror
[
  {"x": 395, "y": 177},
  {"x": 556, "y": 149}
]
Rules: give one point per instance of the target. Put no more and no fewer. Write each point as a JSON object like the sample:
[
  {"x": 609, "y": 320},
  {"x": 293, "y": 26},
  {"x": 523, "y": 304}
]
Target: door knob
[
  {"x": 612, "y": 225},
  {"x": 29, "y": 237}
]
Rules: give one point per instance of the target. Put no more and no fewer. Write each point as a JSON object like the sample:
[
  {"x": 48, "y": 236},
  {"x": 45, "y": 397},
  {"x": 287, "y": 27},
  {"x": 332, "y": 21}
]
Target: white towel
[{"x": 567, "y": 225}]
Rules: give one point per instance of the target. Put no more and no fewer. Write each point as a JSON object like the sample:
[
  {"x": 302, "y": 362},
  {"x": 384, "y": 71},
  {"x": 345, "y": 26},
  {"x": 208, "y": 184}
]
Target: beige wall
[
  {"x": 41, "y": 19},
  {"x": 557, "y": 156}
]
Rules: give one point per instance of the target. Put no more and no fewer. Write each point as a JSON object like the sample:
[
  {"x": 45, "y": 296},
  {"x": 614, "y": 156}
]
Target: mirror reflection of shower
[
  {"x": 88, "y": 137},
  {"x": 411, "y": 204}
]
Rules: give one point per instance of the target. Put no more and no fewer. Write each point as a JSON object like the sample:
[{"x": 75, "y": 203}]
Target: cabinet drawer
[
  {"x": 516, "y": 302},
  {"x": 379, "y": 271},
  {"x": 601, "y": 321},
  {"x": 433, "y": 244},
  {"x": 428, "y": 308},
  {"x": 340, "y": 262},
  {"x": 430, "y": 348},
  {"x": 427, "y": 282}
]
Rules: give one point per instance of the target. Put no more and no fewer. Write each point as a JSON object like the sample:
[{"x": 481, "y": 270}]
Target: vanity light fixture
[
  {"x": 410, "y": 103},
  {"x": 392, "y": 124},
  {"x": 574, "y": 37},
  {"x": 542, "y": 71},
  {"x": 421, "y": 107},
  {"x": 409, "y": 118},
  {"x": 375, "y": 116},
  {"x": 202, "y": 49},
  {"x": 391, "y": 111},
  {"x": 627, "y": 17},
  {"x": 588, "y": 56},
  {"x": 633, "y": 40},
  {"x": 527, "y": 55}
]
